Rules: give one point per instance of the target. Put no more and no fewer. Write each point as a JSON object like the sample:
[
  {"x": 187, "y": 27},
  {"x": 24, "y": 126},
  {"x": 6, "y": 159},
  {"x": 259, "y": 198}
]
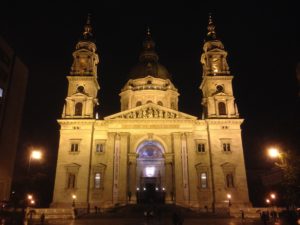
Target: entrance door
[
  {"x": 150, "y": 195},
  {"x": 151, "y": 170}
]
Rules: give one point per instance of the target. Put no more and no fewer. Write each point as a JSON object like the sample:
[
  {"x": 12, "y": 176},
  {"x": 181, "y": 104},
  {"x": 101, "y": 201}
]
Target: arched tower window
[
  {"x": 222, "y": 108},
  {"x": 149, "y": 101},
  {"x": 78, "y": 109},
  {"x": 160, "y": 103},
  {"x": 138, "y": 103}
]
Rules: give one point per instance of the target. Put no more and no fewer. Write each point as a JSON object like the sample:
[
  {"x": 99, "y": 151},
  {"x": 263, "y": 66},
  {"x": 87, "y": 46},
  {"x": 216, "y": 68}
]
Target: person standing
[{"x": 42, "y": 218}]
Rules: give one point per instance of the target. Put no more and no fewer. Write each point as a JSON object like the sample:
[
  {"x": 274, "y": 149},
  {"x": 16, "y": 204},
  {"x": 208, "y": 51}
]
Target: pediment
[{"x": 150, "y": 111}]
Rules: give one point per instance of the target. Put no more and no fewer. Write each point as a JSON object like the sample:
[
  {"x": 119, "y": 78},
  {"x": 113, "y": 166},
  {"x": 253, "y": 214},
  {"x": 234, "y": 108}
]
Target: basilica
[{"x": 150, "y": 152}]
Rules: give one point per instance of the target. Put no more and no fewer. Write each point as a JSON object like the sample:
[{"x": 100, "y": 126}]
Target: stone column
[
  {"x": 169, "y": 177},
  {"x": 116, "y": 169},
  {"x": 184, "y": 162},
  {"x": 132, "y": 176}
]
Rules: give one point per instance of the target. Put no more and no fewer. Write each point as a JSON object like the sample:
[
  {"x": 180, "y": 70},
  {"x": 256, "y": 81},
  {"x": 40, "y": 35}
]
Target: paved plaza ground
[{"x": 164, "y": 221}]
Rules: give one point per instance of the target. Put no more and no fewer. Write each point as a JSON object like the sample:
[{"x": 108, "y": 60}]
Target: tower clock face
[{"x": 220, "y": 88}]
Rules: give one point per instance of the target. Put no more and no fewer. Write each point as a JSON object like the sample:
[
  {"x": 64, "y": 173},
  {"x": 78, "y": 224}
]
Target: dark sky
[{"x": 262, "y": 40}]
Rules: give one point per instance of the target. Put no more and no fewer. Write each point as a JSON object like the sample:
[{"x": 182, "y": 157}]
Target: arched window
[
  {"x": 222, "y": 108},
  {"x": 229, "y": 180},
  {"x": 159, "y": 103},
  {"x": 149, "y": 101},
  {"x": 138, "y": 103},
  {"x": 78, "y": 109}
]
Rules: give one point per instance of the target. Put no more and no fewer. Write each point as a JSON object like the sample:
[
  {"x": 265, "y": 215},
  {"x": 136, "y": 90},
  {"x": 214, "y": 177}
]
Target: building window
[
  {"x": 200, "y": 147},
  {"x": 149, "y": 101},
  {"x": 1, "y": 92},
  {"x": 138, "y": 103},
  {"x": 71, "y": 180},
  {"x": 100, "y": 148},
  {"x": 222, "y": 108},
  {"x": 74, "y": 147},
  {"x": 203, "y": 180},
  {"x": 229, "y": 180},
  {"x": 78, "y": 109},
  {"x": 99, "y": 174},
  {"x": 160, "y": 103},
  {"x": 97, "y": 181},
  {"x": 226, "y": 147}
]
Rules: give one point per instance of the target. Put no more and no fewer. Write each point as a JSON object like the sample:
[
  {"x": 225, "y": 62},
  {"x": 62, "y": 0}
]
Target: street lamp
[
  {"x": 273, "y": 197},
  {"x": 34, "y": 155},
  {"x": 268, "y": 203},
  {"x": 229, "y": 199},
  {"x": 275, "y": 153},
  {"x": 229, "y": 202},
  {"x": 30, "y": 200},
  {"x": 74, "y": 197}
]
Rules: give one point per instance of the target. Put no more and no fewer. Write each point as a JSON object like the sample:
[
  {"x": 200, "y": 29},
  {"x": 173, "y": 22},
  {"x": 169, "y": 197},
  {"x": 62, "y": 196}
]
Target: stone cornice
[
  {"x": 224, "y": 121},
  {"x": 83, "y": 78},
  {"x": 225, "y": 77},
  {"x": 76, "y": 121}
]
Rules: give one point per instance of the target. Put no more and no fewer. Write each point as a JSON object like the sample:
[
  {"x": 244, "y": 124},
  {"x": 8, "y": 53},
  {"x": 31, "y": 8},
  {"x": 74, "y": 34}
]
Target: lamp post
[
  {"x": 74, "y": 198},
  {"x": 275, "y": 153},
  {"x": 273, "y": 197},
  {"x": 34, "y": 155},
  {"x": 229, "y": 202},
  {"x": 268, "y": 203}
]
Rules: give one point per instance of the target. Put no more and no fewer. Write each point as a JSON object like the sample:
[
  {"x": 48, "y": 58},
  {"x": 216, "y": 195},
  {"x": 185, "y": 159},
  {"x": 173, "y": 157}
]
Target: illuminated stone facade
[{"x": 150, "y": 152}]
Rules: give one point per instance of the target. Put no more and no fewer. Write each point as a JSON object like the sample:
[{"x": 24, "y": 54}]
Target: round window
[{"x": 80, "y": 89}]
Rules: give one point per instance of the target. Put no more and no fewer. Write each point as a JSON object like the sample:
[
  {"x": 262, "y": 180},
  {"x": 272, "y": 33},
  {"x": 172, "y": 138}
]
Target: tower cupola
[
  {"x": 83, "y": 84},
  {"x": 214, "y": 56},
  {"x": 218, "y": 100}
]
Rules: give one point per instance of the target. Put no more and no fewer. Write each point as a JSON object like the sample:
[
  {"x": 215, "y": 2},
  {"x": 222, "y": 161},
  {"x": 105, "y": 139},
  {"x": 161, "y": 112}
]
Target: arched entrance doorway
[{"x": 150, "y": 173}]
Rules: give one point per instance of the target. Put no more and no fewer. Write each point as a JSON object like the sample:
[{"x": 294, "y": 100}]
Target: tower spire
[
  {"x": 148, "y": 31},
  {"x": 211, "y": 33},
  {"x": 87, "y": 33},
  {"x": 148, "y": 53}
]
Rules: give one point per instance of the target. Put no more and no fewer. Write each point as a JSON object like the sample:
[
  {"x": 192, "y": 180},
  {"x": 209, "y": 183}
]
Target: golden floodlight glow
[
  {"x": 36, "y": 154},
  {"x": 229, "y": 196},
  {"x": 267, "y": 201},
  {"x": 74, "y": 196},
  {"x": 29, "y": 197},
  {"x": 273, "y": 153},
  {"x": 32, "y": 202}
]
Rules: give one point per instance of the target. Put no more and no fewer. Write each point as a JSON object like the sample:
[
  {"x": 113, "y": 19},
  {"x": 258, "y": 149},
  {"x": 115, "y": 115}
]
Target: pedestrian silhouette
[{"x": 42, "y": 218}]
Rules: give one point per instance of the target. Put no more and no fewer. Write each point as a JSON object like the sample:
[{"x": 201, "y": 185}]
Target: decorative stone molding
[{"x": 150, "y": 111}]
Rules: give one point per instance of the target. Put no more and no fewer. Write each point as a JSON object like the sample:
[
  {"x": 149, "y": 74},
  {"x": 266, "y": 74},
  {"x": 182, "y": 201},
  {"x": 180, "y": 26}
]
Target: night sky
[{"x": 262, "y": 40}]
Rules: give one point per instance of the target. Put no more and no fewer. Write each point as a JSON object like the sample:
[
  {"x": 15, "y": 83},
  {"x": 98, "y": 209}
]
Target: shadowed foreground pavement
[{"x": 164, "y": 221}]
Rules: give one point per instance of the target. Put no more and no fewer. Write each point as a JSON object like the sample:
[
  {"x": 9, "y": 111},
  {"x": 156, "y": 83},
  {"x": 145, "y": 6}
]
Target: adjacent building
[
  {"x": 150, "y": 151},
  {"x": 13, "y": 80}
]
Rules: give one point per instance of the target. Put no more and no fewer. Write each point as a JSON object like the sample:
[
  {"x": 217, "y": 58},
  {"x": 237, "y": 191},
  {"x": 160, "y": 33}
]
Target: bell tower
[
  {"x": 218, "y": 100},
  {"x": 82, "y": 81}
]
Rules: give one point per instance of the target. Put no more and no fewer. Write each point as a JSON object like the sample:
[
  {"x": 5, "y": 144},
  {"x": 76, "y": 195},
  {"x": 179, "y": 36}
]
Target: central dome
[
  {"x": 153, "y": 69},
  {"x": 148, "y": 65}
]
